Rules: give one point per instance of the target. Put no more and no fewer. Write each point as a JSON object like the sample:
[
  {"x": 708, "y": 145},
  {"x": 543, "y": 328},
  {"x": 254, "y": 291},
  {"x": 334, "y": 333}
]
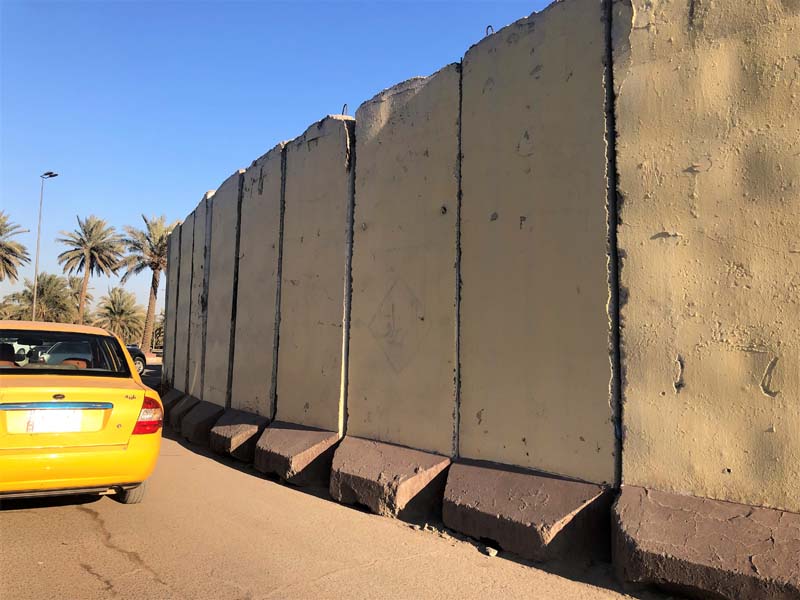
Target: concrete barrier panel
[
  {"x": 711, "y": 548},
  {"x": 253, "y": 384},
  {"x": 221, "y": 289},
  {"x": 318, "y": 208},
  {"x": 236, "y": 433},
  {"x": 708, "y": 117},
  {"x": 535, "y": 333},
  {"x": 403, "y": 330},
  {"x": 199, "y": 299},
  {"x": 183, "y": 305},
  {"x": 170, "y": 306}
]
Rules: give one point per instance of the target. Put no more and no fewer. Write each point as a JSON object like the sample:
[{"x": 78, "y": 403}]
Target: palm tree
[
  {"x": 158, "y": 330},
  {"x": 147, "y": 249},
  {"x": 95, "y": 248},
  {"x": 12, "y": 254},
  {"x": 118, "y": 313},
  {"x": 75, "y": 285},
  {"x": 53, "y": 303}
]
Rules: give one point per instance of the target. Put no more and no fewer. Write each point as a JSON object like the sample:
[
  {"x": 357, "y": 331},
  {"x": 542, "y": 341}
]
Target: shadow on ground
[{"x": 598, "y": 574}]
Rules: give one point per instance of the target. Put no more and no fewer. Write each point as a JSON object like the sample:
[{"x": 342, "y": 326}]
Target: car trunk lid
[{"x": 54, "y": 411}]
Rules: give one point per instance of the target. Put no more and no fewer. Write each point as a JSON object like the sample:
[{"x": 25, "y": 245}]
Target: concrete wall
[
  {"x": 403, "y": 328},
  {"x": 221, "y": 289},
  {"x": 170, "y": 305},
  {"x": 183, "y": 304},
  {"x": 315, "y": 245},
  {"x": 534, "y": 327},
  {"x": 198, "y": 306},
  {"x": 253, "y": 383},
  {"x": 708, "y": 117},
  {"x": 707, "y": 165}
]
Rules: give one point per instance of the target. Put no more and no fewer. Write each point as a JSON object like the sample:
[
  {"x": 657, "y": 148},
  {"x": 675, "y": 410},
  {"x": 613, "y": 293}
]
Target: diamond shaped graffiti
[{"x": 398, "y": 325}]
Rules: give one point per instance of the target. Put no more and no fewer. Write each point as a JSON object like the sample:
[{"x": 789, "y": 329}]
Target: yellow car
[{"x": 75, "y": 416}]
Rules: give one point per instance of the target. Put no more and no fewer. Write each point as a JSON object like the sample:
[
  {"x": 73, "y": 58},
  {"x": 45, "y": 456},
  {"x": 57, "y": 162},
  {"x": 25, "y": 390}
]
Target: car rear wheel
[
  {"x": 131, "y": 495},
  {"x": 138, "y": 362}
]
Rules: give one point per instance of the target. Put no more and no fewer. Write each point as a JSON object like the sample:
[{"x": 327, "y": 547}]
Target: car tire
[
  {"x": 138, "y": 362},
  {"x": 131, "y": 495}
]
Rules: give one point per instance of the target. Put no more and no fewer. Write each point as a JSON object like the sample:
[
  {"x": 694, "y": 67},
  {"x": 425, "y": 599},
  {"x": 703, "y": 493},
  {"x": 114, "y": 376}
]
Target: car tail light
[{"x": 151, "y": 417}]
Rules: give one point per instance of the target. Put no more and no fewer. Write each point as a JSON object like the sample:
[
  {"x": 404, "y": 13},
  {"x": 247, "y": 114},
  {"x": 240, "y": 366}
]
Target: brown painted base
[
  {"x": 236, "y": 433},
  {"x": 390, "y": 480},
  {"x": 706, "y": 548},
  {"x": 197, "y": 423},
  {"x": 537, "y": 516},
  {"x": 179, "y": 409},
  {"x": 170, "y": 398},
  {"x": 297, "y": 454}
]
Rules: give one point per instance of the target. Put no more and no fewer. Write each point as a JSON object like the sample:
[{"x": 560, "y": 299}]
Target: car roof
[{"x": 44, "y": 326}]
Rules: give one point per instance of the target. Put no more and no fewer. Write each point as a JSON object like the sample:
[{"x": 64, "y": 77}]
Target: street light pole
[{"x": 43, "y": 176}]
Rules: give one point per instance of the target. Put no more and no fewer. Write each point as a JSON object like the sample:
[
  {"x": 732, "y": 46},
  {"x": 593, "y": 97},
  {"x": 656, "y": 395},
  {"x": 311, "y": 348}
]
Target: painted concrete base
[
  {"x": 197, "y": 423},
  {"x": 297, "y": 454},
  {"x": 390, "y": 480},
  {"x": 170, "y": 398},
  {"x": 236, "y": 433},
  {"x": 537, "y": 516},
  {"x": 179, "y": 409},
  {"x": 706, "y": 548}
]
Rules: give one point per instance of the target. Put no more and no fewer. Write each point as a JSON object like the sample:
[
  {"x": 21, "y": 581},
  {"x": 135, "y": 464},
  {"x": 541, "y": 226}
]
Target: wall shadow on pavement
[{"x": 597, "y": 574}]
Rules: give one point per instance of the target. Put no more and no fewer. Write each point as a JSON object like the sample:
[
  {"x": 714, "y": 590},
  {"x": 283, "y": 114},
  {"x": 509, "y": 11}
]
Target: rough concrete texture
[
  {"x": 403, "y": 331},
  {"x": 196, "y": 424},
  {"x": 389, "y": 480},
  {"x": 300, "y": 455},
  {"x": 221, "y": 287},
  {"x": 199, "y": 300},
  {"x": 318, "y": 198},
  {"x": 708, "y": 116},
  {"x": 236, "y": 433},
  {"x": 537, "y": 516},
  {"x": 183, "y": 305},
  {"x": 535, "y": 365},
  {"x": 169, "y": 399},
  {"x": 170, "y": 306},
  {"x": 179, "y": 409},
  {"x": 707, "y": 548},
  {"x": 253, "y": 383}
]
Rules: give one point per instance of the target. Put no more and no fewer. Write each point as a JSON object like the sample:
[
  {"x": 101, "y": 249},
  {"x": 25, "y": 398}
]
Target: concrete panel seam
[
  {"x": 457, "y": 373},
  {"x": 235, "y": 295},
  {"x": 350, "y": 166},
  {"x": 273, "y": 392},
  {"x": 612, "y": 211}
]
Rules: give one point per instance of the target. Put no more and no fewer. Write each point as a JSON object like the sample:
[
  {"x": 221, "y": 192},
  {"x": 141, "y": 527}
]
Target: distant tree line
[{"x": 94, "y": 248}]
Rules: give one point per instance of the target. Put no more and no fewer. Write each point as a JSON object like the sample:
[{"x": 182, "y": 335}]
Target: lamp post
[{"x": 43, "y": 176}]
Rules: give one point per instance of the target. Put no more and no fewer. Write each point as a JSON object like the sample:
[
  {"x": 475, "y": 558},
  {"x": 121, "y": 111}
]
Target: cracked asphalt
[{"x": 214, "y": 529}]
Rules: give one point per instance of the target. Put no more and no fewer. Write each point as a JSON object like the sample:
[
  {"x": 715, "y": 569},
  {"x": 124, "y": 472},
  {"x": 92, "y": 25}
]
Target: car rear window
[{"x": 62, "y": 353}]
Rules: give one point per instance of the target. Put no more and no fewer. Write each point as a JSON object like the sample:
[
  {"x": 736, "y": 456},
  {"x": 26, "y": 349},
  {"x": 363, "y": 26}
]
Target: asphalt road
[{"x": 214, "y": 529}]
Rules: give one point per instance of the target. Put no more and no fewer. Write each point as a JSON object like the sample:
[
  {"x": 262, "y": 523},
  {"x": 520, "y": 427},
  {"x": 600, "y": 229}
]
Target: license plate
[{"x": 54, "y": 421}]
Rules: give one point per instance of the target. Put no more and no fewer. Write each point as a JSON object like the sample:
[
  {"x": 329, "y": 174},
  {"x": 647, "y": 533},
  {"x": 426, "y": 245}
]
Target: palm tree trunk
[
  {"x": 84, "y": 289},
  {"x": 147, "y": 335}
]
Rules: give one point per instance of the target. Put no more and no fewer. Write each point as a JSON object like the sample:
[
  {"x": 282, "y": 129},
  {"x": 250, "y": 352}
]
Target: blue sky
[{"x": 143, "y": 106}]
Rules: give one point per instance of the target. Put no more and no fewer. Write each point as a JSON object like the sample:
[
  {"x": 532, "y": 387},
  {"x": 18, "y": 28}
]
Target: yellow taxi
[{"x": 75, "y": 416}]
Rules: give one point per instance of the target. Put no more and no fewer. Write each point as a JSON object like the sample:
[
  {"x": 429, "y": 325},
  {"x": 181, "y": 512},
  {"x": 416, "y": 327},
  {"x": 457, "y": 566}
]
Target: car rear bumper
[
  {"x": 55, "y": 471},
  {"x": 101, "y": 490}
]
